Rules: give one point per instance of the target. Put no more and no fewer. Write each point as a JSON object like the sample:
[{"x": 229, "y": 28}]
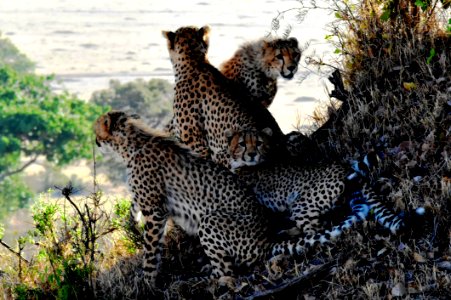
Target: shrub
[{"x": 71, "y": 241}]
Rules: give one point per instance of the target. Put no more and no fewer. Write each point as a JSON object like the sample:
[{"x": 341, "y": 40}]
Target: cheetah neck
[
  {"x": 186, "y": 67},
  {"x": 134, "y": 140},
  {"x": 253, "y": 55},
  {"x": 127, "y": 150}
]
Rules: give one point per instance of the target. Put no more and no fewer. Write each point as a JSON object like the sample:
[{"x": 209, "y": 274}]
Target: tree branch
[
  {"x": 12, "y": 251},
  {"x": 321, "y": 135},
  {"x": 26, "y": 165},
  {"x": 298, "y": 282}
]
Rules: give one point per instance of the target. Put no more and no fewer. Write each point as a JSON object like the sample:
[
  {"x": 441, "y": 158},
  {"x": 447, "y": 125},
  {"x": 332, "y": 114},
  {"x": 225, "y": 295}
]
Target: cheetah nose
[
  {"x": 291, "y": 68},
  {"x": 252, "y": 155}
]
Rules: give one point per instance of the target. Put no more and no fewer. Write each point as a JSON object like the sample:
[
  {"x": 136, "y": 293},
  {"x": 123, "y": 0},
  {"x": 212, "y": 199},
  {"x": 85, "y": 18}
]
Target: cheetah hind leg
[
  {"x": 231, "y": 240},
  {"x": 306, "y": 215},
  {"x": 213, "y": 237}
]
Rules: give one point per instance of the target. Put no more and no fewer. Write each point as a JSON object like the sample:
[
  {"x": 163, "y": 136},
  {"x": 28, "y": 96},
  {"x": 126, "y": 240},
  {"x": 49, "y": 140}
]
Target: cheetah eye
[
  {"x": 279, "y": 56},
  {"x": 242, "y": 144},
  {"x": 259, "y": 143}
]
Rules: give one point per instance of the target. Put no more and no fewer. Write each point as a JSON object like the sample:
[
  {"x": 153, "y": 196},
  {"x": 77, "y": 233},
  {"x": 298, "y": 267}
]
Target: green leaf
[
  {"x": 431, "y": 56},
  {"x": 337, "y": 51},
  {"x": 385, "y": 15},
  {"x": 36, "y": 121},
  {"x": 338, "y": 15},
  {"x": 422, "y": 4}
]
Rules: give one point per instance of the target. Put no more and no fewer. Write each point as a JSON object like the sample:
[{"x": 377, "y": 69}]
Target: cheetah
[
  {"x": 168, "y": 180},
  {"x": 205, "y": 104},
  {"x": 307, "y": 192},
  {"x": 255, "y": 67}
]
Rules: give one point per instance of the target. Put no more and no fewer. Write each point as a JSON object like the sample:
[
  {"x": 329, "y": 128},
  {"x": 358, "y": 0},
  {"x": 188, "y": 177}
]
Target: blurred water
[{"x": 86, "y": 43}]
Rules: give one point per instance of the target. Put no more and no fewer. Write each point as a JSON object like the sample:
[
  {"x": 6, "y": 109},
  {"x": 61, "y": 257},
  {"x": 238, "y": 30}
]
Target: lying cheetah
[{"x": 307, "y": 192}]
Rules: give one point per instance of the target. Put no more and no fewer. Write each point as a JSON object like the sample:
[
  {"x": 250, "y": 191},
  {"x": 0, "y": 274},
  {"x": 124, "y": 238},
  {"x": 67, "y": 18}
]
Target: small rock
[
  {"x": 444, "y": 265},
  {"x": 419, "y": 258},
  {"x": 398, "y": 290}
]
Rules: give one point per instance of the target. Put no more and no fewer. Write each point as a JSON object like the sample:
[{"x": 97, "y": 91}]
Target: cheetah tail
[
  {"x": 362, "y": 203},
  {"x": 360, "y": 210}
]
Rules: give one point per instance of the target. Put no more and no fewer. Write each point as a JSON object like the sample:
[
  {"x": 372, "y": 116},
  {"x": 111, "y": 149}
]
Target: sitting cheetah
[
  {"x": 205, "y": 105},
  {"x": 255, "y": 67},
  {"x": 168, "y": 181}
]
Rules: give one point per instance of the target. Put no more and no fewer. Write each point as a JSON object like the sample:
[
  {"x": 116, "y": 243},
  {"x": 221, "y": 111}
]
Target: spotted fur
[
  {"x": 204, "y": 104},
  {"x": 307, "y": 192},
  {"x": 255, "y": 67},
  {"x": 168, "y": 181}
]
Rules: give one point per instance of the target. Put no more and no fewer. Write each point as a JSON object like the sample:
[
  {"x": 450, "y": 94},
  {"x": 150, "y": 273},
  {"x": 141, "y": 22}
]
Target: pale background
[{"x": 88, "y": 42}]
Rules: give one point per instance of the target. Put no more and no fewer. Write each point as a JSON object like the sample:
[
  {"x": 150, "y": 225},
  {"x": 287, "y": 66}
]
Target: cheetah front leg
[
  {"x": 155, "y": 221},
  {"x": 193, "y": 136},
  {"x": 222, "y": 158},
  {"x": 134, "y": 218}
]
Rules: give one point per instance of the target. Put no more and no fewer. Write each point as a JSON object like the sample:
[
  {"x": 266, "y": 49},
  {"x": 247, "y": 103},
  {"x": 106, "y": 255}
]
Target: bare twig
[
  {"x": 12, "y": 251},
  {"x": 23, "y": 167},
  {"x": 94, "y": 162}
]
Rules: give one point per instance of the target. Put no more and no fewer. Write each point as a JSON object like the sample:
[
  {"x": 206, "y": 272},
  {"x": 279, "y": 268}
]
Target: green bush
[
  {"x": 35, "y": 122},
  {"x": 152, "y": 100},
  {"x": 14, "y": 194},
  {"x": 71, "y": 238},
  {"x": 11, "y": 56}
]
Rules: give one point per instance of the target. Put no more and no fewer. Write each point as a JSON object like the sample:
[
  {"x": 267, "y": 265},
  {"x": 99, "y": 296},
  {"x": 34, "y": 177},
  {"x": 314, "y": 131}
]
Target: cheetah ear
[
  {"x": 267, "y": 131},
  {"x": 111, "y": 123},
  {"x": 204, "y": 33},
  {"x": 170, "y": 36},
  {"x": 293, "y": 41}
]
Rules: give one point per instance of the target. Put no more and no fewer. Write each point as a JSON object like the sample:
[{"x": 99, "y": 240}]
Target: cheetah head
[
  {"x": 110, "y": 130},
  {"x": 248, "y": 147},
  {"x": 281, "y": 57},
  {"x": 187, "y": 41}
]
